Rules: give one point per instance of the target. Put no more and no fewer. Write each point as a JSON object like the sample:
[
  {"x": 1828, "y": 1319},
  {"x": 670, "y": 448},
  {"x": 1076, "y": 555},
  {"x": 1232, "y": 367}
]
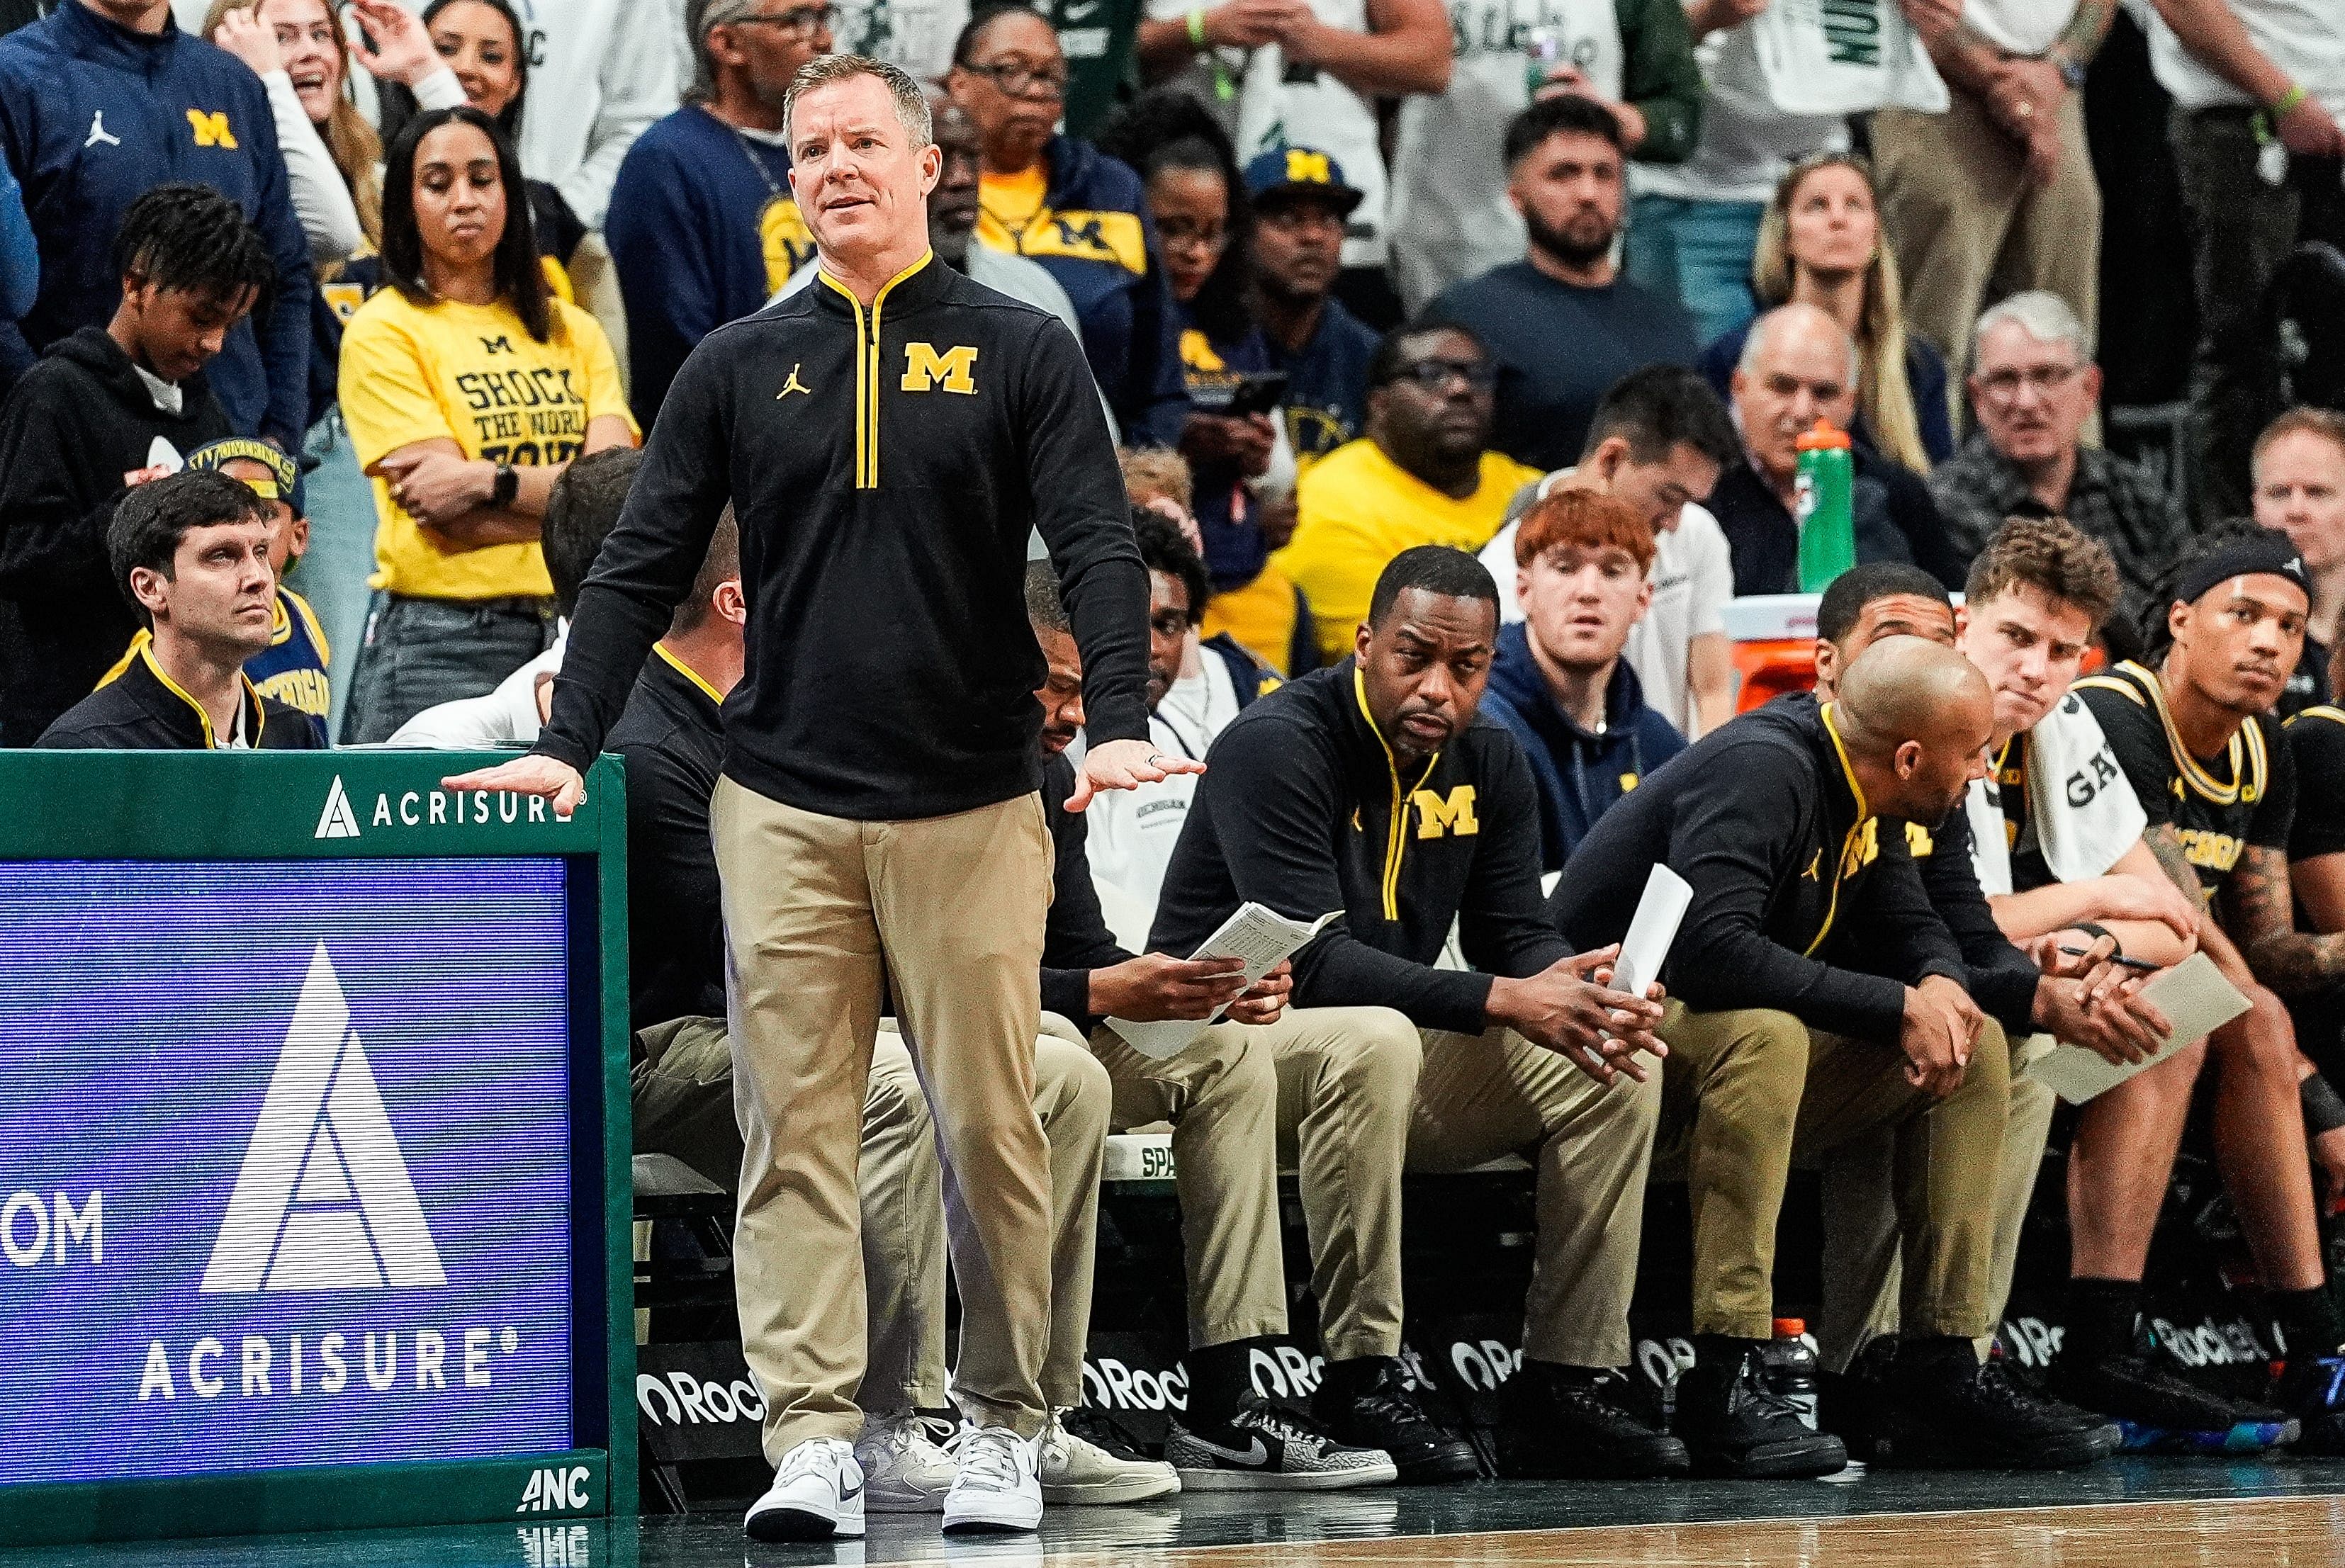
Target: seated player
[
  {"x": 292, "y": 668},
  {"x": 1372, "y": 789},
  {"x": 1560, "y": 681},
  {"x": 1819, "y": 999},
  {"x": 191, "y": 552},
  {"x": 672, "y": 737},
  {"x": 2193, "y": 733},
  {"x": 1221, "y": 1094}
]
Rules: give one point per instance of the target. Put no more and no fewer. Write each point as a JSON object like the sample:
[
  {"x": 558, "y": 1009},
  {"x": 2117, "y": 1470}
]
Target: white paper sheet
[
  {"x": 2196, "y": 999},
  {"x": 1261, "y": 937},
  {"x": 1652, "y": 930}
]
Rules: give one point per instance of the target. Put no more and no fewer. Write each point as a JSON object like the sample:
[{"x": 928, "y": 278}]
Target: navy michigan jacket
[{"x": 91, "y": 116}]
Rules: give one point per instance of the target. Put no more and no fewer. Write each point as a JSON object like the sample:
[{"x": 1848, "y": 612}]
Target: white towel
[{"x": 2083, "y": 808}]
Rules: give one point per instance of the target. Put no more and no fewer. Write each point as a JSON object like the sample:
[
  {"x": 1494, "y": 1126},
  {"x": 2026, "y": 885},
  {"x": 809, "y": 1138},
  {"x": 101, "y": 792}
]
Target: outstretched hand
[
  {"x": 549, "y": 777},
  {"x": 1124, "y": 764}
]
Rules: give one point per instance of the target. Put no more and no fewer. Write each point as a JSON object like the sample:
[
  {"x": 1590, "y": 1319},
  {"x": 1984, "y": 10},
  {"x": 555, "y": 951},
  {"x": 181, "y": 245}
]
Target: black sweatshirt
[
  {"x": 1762, "y": 817},
  {"x": 79, "y": 420},
  {"x": 139, "y": 709},
  {"x": 674, "y": 746},
  {"x": 885, "y": 465},
  {"x": 1302, "y": 809},
  {"x": 2002, "y": 980},
  {"x": 1075, "y": 939}
]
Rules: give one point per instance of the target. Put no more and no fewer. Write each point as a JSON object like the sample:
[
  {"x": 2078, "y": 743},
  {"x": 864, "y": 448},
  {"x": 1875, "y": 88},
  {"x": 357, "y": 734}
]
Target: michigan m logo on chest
[
  {"x": 211, "y": 128},
  {"x": 1436, "y": 816},
  {"x": 926, "y": 367}
]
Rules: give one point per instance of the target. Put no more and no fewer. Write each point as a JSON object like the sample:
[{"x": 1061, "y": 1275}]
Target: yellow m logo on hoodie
[
  {"x": 1436, "y": 817},
  {"x": 211, "y": 128}
]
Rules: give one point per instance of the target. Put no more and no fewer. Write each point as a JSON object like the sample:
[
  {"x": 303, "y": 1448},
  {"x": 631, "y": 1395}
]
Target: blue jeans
[
  {"x": 421, "y": 652},
  {"x": 1699, "y": 254},
  {"x": 332, "y": 575}
]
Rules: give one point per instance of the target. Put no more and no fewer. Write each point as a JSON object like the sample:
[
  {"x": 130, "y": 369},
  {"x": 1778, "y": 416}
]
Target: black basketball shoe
[
  {"x": 1577, "y": 1423},
  {"x": 1367, "y": 1403}
]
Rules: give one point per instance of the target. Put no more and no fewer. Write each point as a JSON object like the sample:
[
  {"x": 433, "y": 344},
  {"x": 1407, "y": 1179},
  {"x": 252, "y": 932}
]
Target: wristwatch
[{"x": 506, "y": 487}]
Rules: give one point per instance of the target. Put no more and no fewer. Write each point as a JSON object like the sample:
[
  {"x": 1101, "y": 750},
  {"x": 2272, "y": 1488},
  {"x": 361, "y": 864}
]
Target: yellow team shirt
[
  {"x": 1357, "y": 509},
  {"x": 1007, "y": 203},
  {"x": 473, "y": 373}
]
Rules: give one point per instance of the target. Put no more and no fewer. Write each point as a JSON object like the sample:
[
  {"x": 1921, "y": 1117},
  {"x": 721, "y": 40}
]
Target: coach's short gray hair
[
  {"x": 1763, "y": 329},
  {"x": 2043, "y": 316},
  {"x": 823, "y": 70}
]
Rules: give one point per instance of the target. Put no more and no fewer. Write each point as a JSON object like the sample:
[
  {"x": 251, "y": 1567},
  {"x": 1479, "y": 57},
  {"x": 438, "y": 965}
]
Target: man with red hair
[{"x": 1558, "y": 681}]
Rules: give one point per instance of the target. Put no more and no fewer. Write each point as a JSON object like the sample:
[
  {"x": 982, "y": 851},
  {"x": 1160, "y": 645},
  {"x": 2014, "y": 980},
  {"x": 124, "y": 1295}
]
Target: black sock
[
  {"x": 2102, "y": 1314},
  {"x": 1923, "y": 1356},
  {"x": 2308, "y": 1321},
  {"x": 1356, "y": 1373},
  {"x": 1219, "y": 1378}
]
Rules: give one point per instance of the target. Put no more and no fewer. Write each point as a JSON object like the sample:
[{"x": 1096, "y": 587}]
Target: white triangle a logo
[
  {"x": 324, "y": 1201},
  {"x": 338, "y": 820}
]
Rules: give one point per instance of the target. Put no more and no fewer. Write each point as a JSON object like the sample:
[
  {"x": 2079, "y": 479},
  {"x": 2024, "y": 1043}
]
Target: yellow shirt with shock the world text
[{"x": 473, "y": 374}]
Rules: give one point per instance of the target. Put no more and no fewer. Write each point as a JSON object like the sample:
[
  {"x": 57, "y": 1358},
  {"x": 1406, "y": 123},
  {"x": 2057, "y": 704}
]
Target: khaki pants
[
  {"x": 1364, "y": 1094},
  {"x": 1220, "y": 1096},
  {"x": 1861, "y": 1276},
  {"x": 1969, "y": 229},
  {"x": 683, "y": 1107},
  {"x": 1746, "y": 1092},
  {"x": 952, "y": 908},
  {"x": 1482, "y": 1096},
  {"x": 903, "y": 1190}
]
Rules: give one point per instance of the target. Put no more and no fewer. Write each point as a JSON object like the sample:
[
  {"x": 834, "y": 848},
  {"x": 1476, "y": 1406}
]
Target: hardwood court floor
[{"x": 2136, "y": 1513}]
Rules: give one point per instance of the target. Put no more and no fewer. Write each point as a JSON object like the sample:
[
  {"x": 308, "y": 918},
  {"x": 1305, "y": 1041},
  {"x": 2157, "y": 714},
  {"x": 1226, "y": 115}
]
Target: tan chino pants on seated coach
[
  {"x": 950, "y": 909},
  {"x": 1220, "y": 1096},
  {"x": 1364, "y": 1095},
  {"x": 1747, "y": 1091}
]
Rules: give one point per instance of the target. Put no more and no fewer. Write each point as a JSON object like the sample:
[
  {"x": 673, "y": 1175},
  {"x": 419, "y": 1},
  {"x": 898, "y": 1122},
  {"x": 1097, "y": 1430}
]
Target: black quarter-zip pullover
[
  {"x": 885, "y": 463},
  {"x": 1794, "y": 904},
  {"x": 1305, "y": 809}
]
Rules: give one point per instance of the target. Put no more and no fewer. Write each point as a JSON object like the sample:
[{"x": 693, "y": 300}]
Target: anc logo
[
  {"x": 954, "y": 368},
  {"x": 211, "y": 128},
  {"x": 324, "y": 1201},
  {"x": 1436, "y": 815}
]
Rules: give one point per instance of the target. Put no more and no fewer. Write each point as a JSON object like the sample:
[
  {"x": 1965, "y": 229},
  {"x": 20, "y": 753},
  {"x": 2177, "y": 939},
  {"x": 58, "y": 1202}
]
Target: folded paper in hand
[
  {"x": 2196, "y": 999},
  {"x": 1652, "y": 930},
  {"x": 1263, "y": 937}
]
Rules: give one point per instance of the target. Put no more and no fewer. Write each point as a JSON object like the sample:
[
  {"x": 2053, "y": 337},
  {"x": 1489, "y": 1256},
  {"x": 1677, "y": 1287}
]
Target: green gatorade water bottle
[{"x": 1826, "y": 507}]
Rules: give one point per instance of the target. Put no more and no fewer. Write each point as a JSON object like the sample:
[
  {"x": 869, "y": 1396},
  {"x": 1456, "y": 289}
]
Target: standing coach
[{"x": 887, "y": 438}]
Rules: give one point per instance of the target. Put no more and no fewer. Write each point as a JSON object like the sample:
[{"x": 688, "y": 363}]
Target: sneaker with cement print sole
[
  {"x": 1269, "y": 1448},
  {"x": 1086, "y": 1460}
]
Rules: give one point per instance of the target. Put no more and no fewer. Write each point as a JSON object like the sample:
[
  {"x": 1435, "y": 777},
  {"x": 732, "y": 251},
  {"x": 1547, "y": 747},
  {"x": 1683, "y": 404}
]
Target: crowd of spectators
[{"x": 380, "y": 298}]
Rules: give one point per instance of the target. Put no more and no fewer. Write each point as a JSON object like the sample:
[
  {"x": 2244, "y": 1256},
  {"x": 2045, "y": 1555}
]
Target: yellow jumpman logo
[{"x": 793, "y": 385}]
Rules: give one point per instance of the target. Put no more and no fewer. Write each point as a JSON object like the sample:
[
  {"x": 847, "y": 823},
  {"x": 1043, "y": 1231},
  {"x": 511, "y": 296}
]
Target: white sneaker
[
  {"x": 996, "y": 1489},
  {"x": 1077, "y": 1471},
  {"x": 816, "y": 1495},
  {"x": 904, "y": 1470}
]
